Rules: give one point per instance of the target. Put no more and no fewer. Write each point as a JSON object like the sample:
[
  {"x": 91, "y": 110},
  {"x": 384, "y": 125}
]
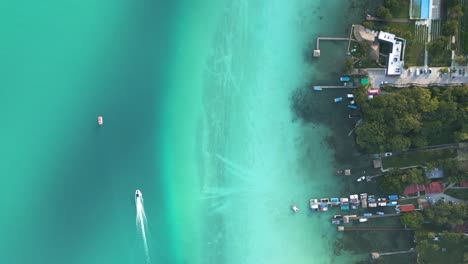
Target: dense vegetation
[
  {"x": 445, "y": 247},
  {"x": 395, "y": 181},
  {"x": 412, "y": 117}
]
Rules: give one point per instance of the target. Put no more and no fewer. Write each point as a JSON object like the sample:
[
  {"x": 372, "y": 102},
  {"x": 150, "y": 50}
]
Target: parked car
[
  {"x": 388, "y": 154},
  {"x": 430, "y": 70},
  {"x": 417, "y": 71}
]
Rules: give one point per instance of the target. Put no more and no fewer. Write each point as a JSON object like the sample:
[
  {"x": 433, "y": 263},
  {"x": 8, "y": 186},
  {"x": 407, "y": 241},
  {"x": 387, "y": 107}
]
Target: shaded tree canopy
[
  {"x": 413, "y": 220},
  {"x": 395, "y": 181},
  {"x": 412, "y": 117}
]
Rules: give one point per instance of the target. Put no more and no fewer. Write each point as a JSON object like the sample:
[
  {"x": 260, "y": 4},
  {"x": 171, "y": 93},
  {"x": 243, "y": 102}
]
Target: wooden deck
[{"x": 335, "y": 87}]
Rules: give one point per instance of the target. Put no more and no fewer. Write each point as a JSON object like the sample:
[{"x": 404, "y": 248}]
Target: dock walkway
[
  {"x": 331, "y": 38},
  {"x": 392, "y": 20},
  {"x": 335, "y": 87}
]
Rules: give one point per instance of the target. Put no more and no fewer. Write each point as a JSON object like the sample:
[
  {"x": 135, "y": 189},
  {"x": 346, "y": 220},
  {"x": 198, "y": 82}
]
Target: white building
[{"x": 395, "y": 59}]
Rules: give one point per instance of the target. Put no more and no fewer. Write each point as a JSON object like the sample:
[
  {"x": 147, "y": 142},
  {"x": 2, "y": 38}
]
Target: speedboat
[
  {"x": 100, "y": 121},
  {"x": 138, "y": 196},
  {"x": 314, "y": 204},
  {"x": 295, "y": 209}
]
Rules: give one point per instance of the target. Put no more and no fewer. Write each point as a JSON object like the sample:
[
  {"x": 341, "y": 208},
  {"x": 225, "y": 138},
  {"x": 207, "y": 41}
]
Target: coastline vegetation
[
  {"x": 437, "y": 237},
  {"x": 412, "y": 117},
  {"x": 395, "y": 181},
  {"x": 461, "y": 194},
  {"x": 417, "y": 158}
]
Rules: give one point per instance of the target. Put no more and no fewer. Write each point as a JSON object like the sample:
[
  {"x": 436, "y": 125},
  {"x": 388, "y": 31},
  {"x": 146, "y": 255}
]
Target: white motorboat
[
  {"x": 295, "y": 209},
  {"x": 314, "y": 204},
  {"x": 138, "y": 197},
  {"x": 100, "y": 121}
]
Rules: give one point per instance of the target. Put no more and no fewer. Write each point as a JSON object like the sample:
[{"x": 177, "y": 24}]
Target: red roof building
[
  {"x": 464, "y": 184},
  {"x": 406, "y": 208},
  {"x": 433, "y": 187}
]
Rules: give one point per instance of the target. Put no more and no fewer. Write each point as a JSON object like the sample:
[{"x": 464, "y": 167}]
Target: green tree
[
  {"x": 348, "y": 66},
  {"x": 399, "y": 142},
  {"x": 390, "y": 184},
  {"x": 455, "y": 12},
  {"x": 384, "y": 12},
  {"x": 368, "y": 24},
  {"x": 413, "y": 220},
  {"x": 392, "y": 4},
  {"x": 450, "y": 28},
  {"x": 444, "y": 70},
  {"x": 371, "y": 136}
]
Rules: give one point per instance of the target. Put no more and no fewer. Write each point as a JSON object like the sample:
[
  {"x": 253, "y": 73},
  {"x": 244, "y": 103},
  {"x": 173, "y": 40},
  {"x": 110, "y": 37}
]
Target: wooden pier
[
  {"x": 342, "y": 228},
  {"x": 317, "y": 50},
  {"x": 376, "y": 255},
  {"x": 335, "y": 87}
]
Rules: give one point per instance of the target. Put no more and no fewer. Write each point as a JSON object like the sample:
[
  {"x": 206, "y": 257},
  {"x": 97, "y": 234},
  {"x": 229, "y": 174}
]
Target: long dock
[
  {"x": 334, "y": 87},
  {"x": 348, "y": 218},
  {"x": 342, "y": 228},
  {"x": 376, "y": 255},
  {"x": 317, "y": 49},
  {"x": 330, "y": 38}
]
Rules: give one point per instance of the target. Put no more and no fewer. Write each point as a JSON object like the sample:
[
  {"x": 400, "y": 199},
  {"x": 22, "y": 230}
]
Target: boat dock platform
[
  {"x": 317, "y": 49},
  {"x": 342, "y": 228},
  {"x": 320, "y": 87}
]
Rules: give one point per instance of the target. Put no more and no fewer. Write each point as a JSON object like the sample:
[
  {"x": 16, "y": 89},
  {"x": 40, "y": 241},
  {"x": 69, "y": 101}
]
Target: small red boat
[{"x": 100, "y": 121}]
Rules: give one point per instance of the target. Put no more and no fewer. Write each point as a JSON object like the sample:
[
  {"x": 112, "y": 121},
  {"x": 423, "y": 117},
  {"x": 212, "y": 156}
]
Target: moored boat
[
  {"x": 363, "y": 197},
  {"x": 323, "y": 207},
  {"x": 344, "y": 78},
  {"x": 338, "y": 99},
  {"x": 334, "y": 201},
  {"x": 354, "y": 201},
  {"x": 344, "y": 202},
  {"x": 371, "y": 201},
  {"x": 382, "y": 202},
  {"x": 314, "y": 204},
  {"x": 336, "y": 219},
  {"x": 362, "y": 178}
]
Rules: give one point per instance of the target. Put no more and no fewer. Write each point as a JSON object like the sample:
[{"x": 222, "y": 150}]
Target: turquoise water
[{"x": 196, "y": 106}]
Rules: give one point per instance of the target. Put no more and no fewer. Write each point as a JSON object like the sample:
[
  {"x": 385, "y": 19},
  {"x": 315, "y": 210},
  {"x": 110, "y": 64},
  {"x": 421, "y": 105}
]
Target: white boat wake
[{"x": 141, "y": 221}]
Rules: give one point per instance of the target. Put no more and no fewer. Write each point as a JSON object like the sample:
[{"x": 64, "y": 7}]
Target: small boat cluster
[
  {"x": 353, "y": 202},
  {"x": 352, "y": 103}
]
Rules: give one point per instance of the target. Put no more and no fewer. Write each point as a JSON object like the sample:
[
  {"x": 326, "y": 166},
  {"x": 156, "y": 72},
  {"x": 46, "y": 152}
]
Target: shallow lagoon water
[{"x": 197, "y": 113}]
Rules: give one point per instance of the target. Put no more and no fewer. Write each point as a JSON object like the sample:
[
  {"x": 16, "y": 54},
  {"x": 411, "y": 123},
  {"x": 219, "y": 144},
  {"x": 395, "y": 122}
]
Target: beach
[{"x": 201, "y": 114}]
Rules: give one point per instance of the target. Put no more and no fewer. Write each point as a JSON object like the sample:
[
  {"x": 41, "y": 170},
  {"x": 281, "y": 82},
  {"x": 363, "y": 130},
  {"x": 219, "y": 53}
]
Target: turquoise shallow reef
[{"x": 196, "y": 100}]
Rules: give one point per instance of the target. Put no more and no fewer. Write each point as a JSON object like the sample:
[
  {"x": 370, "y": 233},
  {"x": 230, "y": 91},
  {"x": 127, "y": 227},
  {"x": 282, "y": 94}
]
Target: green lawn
[
  {"x": 416, "y": 158},
  {"x": 454, "y": 251},
  {"x": 458, "y": 193},
  {"x": 402, "y": 11}
]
